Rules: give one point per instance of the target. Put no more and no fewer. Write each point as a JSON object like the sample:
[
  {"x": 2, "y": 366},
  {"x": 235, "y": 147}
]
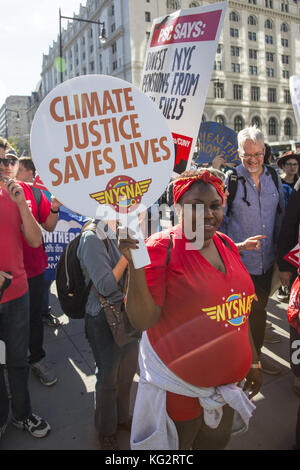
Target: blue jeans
[
  {"x": 36, "y": 337},
  {"x": 115, "y": 369},
  {"x": 14, "y": 331},
  {"x": 46, "y": 304}
]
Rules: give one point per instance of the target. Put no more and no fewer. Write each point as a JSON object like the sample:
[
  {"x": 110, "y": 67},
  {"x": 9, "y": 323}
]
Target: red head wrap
[{"x": 181, "y": 185}]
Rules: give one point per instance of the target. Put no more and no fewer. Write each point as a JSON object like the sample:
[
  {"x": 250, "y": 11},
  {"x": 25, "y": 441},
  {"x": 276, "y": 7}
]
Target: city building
[
  {"x": 259, "y": 50},
  {"x": 14, "y": 124}
]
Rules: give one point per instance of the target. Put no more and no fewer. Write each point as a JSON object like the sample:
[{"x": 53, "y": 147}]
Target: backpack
[
  {"x": 38, "y": 199},
  {"x": 232, "y": 185},
  {"x": 72, "y": 290}
]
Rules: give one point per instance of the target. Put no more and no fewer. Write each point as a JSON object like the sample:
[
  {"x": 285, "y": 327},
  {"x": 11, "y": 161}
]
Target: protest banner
[
  {"x": 177, "y": 69},
  {"x": 217, "y": 139},
  {"x": 293, "y": 256},
  {"x": 67, "y": 228},
  {"x": 107, "y": 151},
  {"x": 295, "y": 96}
]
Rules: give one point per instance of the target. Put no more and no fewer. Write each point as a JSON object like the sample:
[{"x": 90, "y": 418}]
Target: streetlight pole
[{"x": 102, "y": 36}]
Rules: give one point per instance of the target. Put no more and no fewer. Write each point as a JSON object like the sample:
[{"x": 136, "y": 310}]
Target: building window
[
  {"x": 269, "y": 39},
  {"x": 287, "y": 97},
  {"x": 272, "y": 95},
  {"x": 253, "y": 69},
  {"x": 251, "y": 36},
  {"x": 284, "y": 42},
  {"x": 269, "y": 3},
  {"x": 272, "y": 126},
  {"x": 237, "y": 92},
  {"x": 219, "y": 49},
  {"x": 115, "y": 64},
  {"x": 252, "y": 54},
  {"x": 255, "y": 93},
  {"x": 220, "y": 119},
  {"x": 173, "y": 4},
  {"x": 91, "y": 48},
  {"x": 285, "y": 59},
  {"x": 217, "y": 65},
  {"x": 270, "y": 56},
  {"x": 113, "y": 27},
  {"x": 113, "y": 9},
  {"x": 147, "y": 16},
  {"x": 234, "y": 33},
  {"x": 218, "y": 90},
  {"x": 252, "y": 2},
  {"x": 193, "y": 4},
  {"x": 91, "y": 66},
  {"x": 287, "y": 127},
  {"x": 252, "y": 20},
  {"x": 147, "y": 35},
  {"x": 286, "y": 74},
  {"x": 235, "y": 51},
  {"x": 238, "y": 123},
  {"x": 268, "y": 24},
  {"x": 114, "y": 48},
  {"x": 256, "y": 121},
  {"x": 235, "y": 68},
  {"x": 284, "y": 28},
  {"x": 270, "y": 72},
  {"x": 233, "y": 16},
  {"x": 285, "y": 7}
]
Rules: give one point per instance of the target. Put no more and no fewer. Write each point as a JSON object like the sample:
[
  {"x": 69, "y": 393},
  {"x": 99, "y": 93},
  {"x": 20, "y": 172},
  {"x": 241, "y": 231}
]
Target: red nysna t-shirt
[
  {"x": 35, "y": 259},
  {"x": 202, "y": 332},
  {"x": 11, "y": 251}
]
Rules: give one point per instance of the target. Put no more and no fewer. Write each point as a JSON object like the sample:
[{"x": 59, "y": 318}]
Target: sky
[{"x": 28, "y": 28}]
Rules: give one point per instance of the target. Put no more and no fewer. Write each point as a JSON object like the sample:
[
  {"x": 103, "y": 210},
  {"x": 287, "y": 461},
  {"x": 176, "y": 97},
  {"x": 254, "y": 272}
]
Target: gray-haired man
[{"x": 257, "y": 208}]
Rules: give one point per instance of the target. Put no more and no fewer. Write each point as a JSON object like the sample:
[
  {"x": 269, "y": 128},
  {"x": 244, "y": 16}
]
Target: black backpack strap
[
  {"x": 170, "y": 246},
  {"x": 37, "y": 194},
  {"x": 232, "y": 189},
  {"x": 232, "y": 185},
  {"x": 226, "y": 243},
  {"x": 274, "y": 176}
]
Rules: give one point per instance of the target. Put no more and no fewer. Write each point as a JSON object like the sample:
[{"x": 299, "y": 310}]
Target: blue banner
[
  {"x": 68, "y": 227},
  {"x": 216, "y": 139}
]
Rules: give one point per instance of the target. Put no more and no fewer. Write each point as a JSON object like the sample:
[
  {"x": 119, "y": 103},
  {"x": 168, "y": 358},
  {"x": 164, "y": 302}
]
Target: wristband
[
  {"x": 53, "y": 211},
  {"x": 256, "y": 366}
]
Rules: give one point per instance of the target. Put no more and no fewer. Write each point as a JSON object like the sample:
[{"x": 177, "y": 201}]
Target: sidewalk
[{"x": 68, "y": 405}]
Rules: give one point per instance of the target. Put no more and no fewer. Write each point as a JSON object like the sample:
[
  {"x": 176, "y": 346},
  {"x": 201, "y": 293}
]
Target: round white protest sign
[
  {"x": 295, "y": 96},
  {"x": 102, "y": 147}
]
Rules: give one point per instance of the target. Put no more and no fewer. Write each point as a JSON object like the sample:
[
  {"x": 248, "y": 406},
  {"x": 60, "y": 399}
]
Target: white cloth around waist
[{"x": 152, "y": 428}]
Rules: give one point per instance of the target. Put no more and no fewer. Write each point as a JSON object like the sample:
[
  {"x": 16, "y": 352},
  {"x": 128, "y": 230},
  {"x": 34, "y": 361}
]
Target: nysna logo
[
  {"x": 123, "y": 193},
  {"x": 234, "y": 310}
]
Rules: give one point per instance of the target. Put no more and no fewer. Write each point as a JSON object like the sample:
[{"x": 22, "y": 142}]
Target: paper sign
[
  {"x": 216, "y": 139},
  {"x": 293, "y": 256},
  {"x": 102, "y": 147},
  {"x": 177, "y": 70},
  {"x": 295, "y": 96}
]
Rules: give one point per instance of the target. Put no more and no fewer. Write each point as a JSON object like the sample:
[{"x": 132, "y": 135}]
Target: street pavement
[{"x": 68, "y": 405}]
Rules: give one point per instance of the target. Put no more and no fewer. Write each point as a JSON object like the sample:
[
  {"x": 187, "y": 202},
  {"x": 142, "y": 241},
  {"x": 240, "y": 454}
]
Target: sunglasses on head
[{"x": 8, "y": 161}]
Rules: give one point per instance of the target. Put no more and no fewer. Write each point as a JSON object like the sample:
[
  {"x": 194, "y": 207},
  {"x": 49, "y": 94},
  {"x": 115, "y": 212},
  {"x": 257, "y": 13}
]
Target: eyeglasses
[
  {"x": 291, "y": 164},
  {"x": 254, "y": 155},
  {"x": 8, "y": 161}
]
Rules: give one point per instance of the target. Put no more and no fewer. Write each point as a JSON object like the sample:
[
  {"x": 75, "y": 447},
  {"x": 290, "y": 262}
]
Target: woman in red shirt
[{"x": 195, "y": 301}]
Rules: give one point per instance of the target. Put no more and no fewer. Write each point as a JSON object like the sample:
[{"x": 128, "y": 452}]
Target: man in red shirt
[
  {"x": 35, "y": 263},
  {"x": 15, "y": 219}
]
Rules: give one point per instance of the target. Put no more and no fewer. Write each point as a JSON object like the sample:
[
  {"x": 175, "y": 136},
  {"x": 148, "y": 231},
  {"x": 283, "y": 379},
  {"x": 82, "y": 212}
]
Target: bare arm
[
  {"x": 51, "y": 221},
  {"x": 30, "y": 228},
  {"x": 140, "y": 307}
]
